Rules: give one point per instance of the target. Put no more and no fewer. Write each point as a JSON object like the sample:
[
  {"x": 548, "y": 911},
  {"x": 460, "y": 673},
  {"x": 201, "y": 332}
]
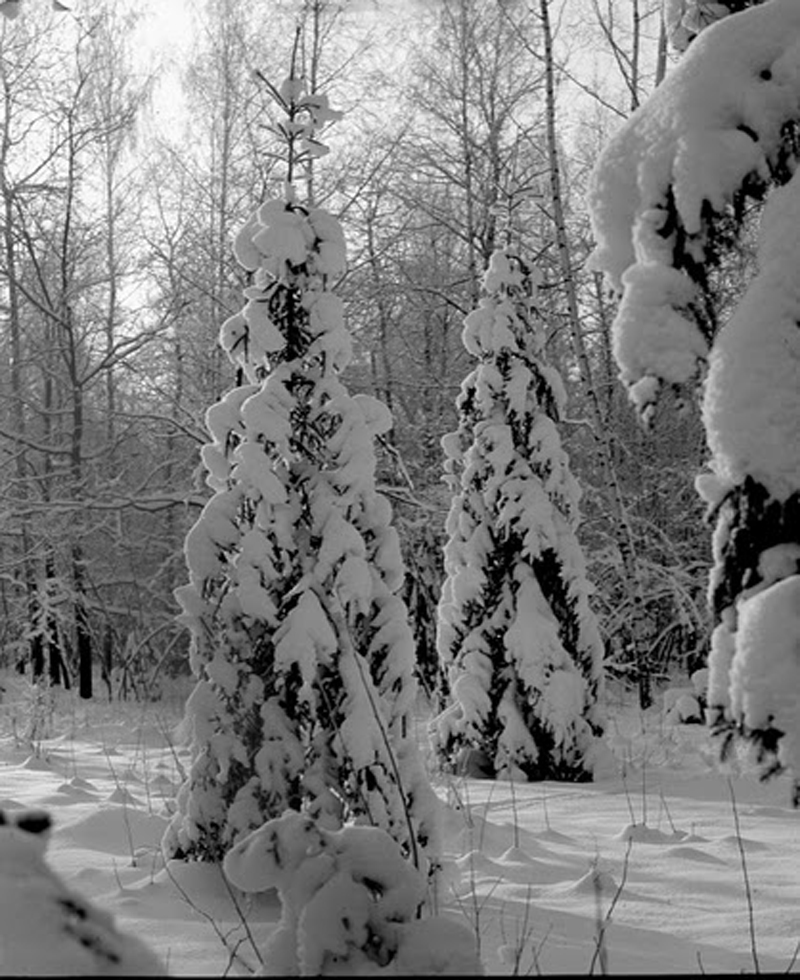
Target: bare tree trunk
[
  {"x": 636, "y": 19},
  {"x": 83, "y": 640},
  {"x": 382, "y": 377},
  {"x": 57, "y": 669},
  {"x": 17, "y": 404},
  {"x": 624, "y": 534},
  {"x": 468, "y": 150},
  {"x": 661, "y": 57}
]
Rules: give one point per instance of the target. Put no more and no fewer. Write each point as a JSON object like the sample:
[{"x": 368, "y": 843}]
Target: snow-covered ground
[{"x": 648, "y": 853}]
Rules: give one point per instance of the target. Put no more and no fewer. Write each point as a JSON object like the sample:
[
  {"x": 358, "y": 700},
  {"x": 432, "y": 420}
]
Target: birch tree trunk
[{"x": 640, "y": 631}]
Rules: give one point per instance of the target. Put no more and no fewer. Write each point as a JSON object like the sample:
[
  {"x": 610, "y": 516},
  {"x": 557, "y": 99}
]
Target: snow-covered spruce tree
[
  {"x": 299, "y": 640},
  {"x": 667, "y": 194},
  {"x": 515, "y": 632}
]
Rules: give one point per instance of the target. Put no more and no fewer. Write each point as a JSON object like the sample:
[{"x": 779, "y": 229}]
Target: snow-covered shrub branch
[
  {"x": 670, "y": 184},
  {"x": 515, "y": 628},
  {"x": 300, "y": 641},
  {"x": 722, "y": 126}
]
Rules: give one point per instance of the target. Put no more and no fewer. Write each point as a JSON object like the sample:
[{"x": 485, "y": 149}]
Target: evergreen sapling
[
  {"x": 299, "y": 640},
  {"x": 516, "y": 632}
]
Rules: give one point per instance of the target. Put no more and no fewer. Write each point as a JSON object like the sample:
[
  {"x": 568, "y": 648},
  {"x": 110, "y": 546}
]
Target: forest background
[{"x": 133, "y": 148}]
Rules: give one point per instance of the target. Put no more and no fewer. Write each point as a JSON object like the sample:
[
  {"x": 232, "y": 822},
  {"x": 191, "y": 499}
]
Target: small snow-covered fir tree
[
  {"x": 299, "y": 640},
  {"x": 667, "y": 196},
  {"x": 516, "y": 632},
  {"x": 350, "y": 904}
]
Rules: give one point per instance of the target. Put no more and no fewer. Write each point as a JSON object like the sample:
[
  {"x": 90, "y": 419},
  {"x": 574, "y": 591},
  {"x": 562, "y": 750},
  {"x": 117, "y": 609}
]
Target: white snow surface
[
  {"x": 715, "y": 119},
  {"x": 525, "y": 853}
]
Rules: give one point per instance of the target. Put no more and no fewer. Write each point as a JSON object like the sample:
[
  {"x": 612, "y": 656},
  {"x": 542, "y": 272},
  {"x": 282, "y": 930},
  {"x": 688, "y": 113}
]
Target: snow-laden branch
[{"x": 717, "y": 129}]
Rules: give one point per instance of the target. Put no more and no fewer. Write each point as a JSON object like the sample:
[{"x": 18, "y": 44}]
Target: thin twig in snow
[
  {"x": 600, "y": 947},
  {"x": 745, "y": 877}
]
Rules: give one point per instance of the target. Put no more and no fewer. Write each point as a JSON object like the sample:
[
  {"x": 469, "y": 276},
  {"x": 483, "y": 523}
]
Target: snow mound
[
  {"x": 694, "y": 854},
  {"x": 642, "y": 834},
  {"x": 681, "y": 706},
  {"x": 102, "y": 829},
  {"x": 45, "y": 928},
  {"x": 594, "y": 882}
]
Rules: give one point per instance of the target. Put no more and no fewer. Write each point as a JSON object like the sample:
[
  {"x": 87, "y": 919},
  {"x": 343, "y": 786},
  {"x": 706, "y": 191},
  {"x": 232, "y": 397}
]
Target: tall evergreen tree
[
  {"x": 515, "y": 628},
  {"x": 724, "y": 126},
  {"x": 300, "y": 642}
]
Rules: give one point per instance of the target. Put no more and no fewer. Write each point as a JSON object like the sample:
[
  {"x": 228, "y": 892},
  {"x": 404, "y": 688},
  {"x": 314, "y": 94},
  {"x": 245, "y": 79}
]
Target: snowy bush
[
  {"x": 684, "y": 705},
  {"x": 681, "y": 706},
  {"x": 300, "y": 641},
  {"x": 350, "y": 902},
  {"x": 515, "y": 629}
]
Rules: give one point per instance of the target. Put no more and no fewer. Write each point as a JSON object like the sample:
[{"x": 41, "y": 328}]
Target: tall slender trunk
[
  {"x": 661, "y": 56},
  {"x": 17, "y": 382},
  {"x": 113, "y": 303},
  {"x": 382, "y": 375},
  {"x": 312, "y": 69},
  {"x": 636, "y": 30},
  {"x": 20, "y": 491},
  {"x": 57, "y": 669},
  {"x": 173, "y": 529},
  {"x": 621, "y": 524},
  {"x": 83, "y": 639},
  {"x": 468, "y": 151},
  {"x": 48, "y": 637}
]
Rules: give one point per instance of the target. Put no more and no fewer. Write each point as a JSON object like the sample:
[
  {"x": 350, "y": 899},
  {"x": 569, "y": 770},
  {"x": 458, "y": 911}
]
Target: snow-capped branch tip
[{"x": 307, "y": 113}]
